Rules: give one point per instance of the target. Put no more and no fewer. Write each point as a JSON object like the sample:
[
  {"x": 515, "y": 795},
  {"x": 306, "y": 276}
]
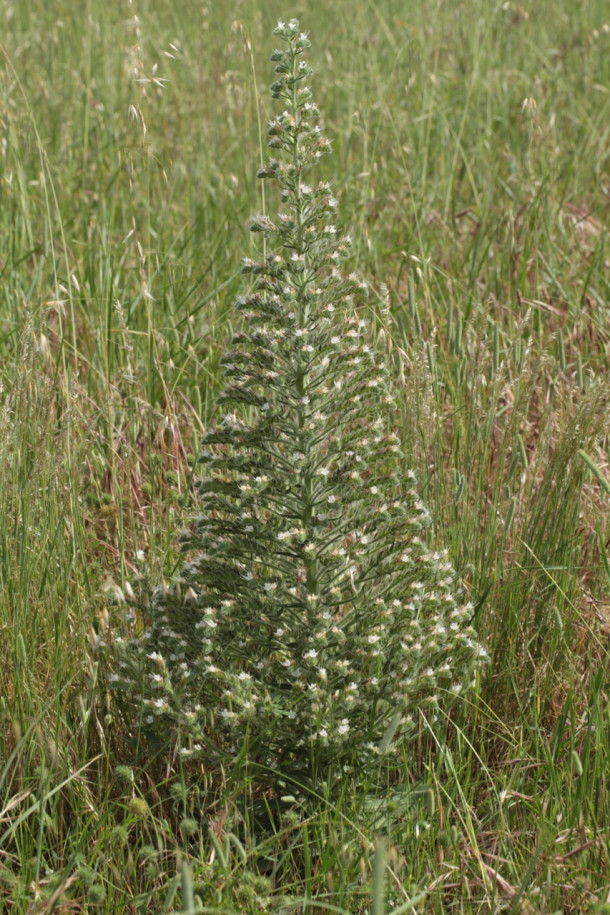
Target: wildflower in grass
[{"x": 308, "y": 590}]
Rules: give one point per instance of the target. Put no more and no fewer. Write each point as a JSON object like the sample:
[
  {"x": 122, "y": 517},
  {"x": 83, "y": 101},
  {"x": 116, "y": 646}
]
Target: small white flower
[{"x": 312, "y": 653}]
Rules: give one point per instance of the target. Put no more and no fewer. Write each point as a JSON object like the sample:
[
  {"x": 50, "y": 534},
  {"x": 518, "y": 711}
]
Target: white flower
[{"x": 312, "y": 653}]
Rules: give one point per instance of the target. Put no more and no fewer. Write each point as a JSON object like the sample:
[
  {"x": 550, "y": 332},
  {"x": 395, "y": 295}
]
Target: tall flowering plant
[{"x": 310, "y": 624}]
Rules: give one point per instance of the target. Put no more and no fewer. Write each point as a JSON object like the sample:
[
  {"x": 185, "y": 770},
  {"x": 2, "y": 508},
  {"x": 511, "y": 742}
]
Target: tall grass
[{"x": 482, "y": 220}]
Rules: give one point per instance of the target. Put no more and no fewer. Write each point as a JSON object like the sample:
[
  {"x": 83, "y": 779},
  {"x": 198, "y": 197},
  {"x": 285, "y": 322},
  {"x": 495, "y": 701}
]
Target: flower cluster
[{"x": 310, "y": 622}]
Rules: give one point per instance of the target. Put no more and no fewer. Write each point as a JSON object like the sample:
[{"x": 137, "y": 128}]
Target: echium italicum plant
[{"x": 310, "y": 624}]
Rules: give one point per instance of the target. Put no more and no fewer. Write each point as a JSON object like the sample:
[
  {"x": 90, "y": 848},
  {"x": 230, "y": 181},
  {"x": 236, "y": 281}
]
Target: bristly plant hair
[{"x": 310, "y": 625}]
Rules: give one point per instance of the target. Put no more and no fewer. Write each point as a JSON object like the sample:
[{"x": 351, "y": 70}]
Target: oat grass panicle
[{"x": 310, "y": 624}]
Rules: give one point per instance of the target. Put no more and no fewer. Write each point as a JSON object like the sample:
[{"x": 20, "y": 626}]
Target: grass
[{"x": 481, "y": 221}]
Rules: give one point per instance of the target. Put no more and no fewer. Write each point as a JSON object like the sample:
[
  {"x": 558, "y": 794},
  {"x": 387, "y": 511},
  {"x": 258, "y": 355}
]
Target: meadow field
[{"x": 471, "y": 163}]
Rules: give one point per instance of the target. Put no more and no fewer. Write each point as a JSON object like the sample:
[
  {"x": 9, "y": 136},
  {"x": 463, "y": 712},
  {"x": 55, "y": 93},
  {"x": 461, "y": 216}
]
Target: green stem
[{"x": 301, "y": 284}]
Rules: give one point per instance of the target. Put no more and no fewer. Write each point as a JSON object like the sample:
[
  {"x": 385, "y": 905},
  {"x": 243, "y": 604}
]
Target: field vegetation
[{"x": 472, "y": 167}]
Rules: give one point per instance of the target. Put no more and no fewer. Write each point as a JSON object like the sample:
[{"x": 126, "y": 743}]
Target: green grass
[{"x": 482, "y": 222}]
